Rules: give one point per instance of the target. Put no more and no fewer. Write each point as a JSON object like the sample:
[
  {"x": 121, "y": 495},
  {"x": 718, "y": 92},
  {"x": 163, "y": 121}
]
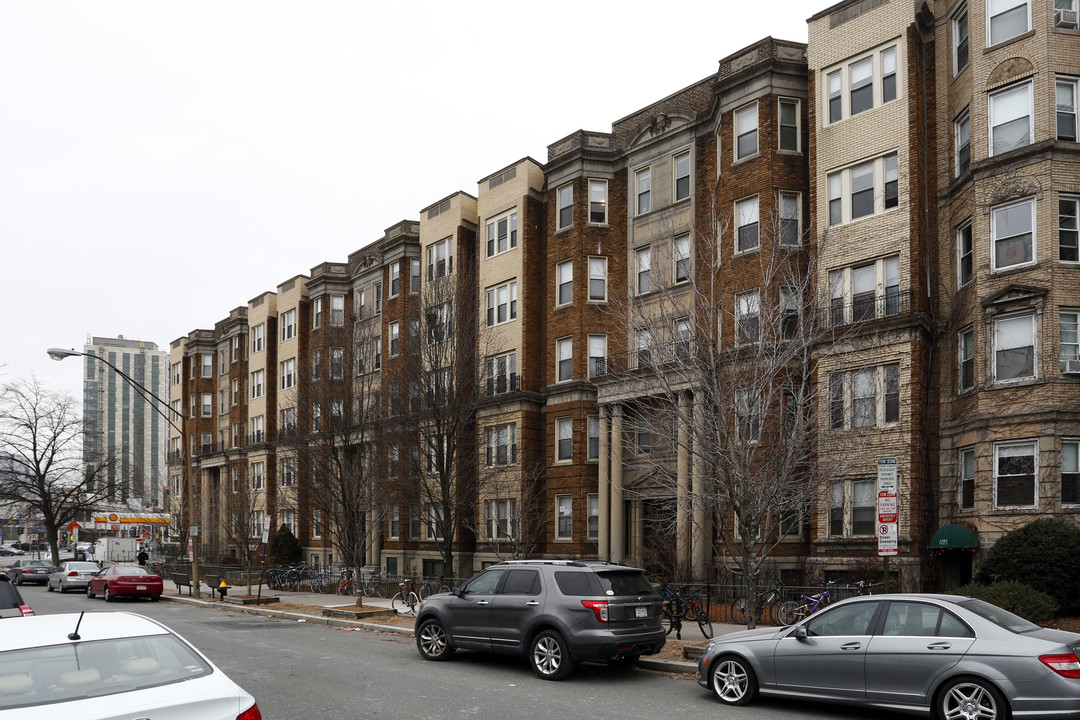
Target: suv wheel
[
  {"x": 432, "y": 642},
  {"x": 550, "y": 657}
]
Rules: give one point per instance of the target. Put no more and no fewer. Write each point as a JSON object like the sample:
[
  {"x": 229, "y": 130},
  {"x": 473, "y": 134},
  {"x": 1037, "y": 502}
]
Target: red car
[{"x": 131, "y": 580}]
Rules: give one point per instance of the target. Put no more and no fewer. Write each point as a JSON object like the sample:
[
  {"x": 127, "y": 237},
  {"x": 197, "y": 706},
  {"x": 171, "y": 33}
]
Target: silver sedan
[
  {"x": 73, "y": 575},
  {"x": 956, "y": 657}
]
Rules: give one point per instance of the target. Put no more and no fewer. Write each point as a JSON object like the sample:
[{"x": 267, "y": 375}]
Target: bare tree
[
  {"x": 41, "y": 463},
  {"x": 746, "y": 347},
  {"x": 509, "y": 517},
  {"x": 240, "y": 528}
]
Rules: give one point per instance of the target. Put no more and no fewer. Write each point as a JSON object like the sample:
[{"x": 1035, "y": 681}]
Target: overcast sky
[{"x": 162, "y": 163}]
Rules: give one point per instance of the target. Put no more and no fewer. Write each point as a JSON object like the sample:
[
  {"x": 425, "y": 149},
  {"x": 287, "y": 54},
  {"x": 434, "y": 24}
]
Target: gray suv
[{"x": 554, "y": 612}]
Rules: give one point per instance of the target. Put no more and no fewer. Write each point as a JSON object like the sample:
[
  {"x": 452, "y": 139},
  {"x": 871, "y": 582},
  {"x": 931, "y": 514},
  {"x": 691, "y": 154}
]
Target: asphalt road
[{"x": 304, "y": 670}]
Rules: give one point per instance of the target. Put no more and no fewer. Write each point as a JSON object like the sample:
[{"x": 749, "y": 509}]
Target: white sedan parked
[{"x": 107, "y": 665}]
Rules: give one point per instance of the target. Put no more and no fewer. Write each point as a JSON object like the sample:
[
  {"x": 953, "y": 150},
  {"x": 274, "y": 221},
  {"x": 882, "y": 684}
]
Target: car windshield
[
  {"x": 625, "y": 582},
  {"x": 72, "y": 671},
  {"x": 1001, "y": 618}
]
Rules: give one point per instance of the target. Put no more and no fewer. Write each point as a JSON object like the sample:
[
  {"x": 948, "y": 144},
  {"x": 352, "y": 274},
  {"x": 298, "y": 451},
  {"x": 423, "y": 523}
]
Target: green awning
[{"x": 954, "y": 536}]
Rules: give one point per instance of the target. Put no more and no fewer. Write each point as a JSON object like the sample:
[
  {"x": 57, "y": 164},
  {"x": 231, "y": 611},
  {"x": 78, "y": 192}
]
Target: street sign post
[{"x": 888, "y": 509}]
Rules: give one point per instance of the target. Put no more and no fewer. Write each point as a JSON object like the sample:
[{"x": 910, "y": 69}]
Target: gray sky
[{"x": 162, "y": 163}]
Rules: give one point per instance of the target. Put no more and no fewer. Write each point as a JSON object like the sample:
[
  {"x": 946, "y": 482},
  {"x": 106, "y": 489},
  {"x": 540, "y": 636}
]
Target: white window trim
[
  {"x": 1031, "y": 201},
  {"x": 962, "y": 11},
  {"x": 589, "y": 342},
  {"x": 1075, "y": 82},
  {"x": 598, "y": 182},
  {"x": 559, "y": 282},
  {"x": 512, "y": 229},
  {"x": 1030, "y": 113},
  {"x": 639, "y": 174},
  {"x": 590, "y": 260},
  {"x": 879, "y": 189},
  {"x": 638, "y": 271},
  {"x": 798, "y": 217},
  {"x": 675, "y": 258},
  {"x": 567, "y": 341},
  {"x": 876, "y": 81},
  {"x": 960, "y": 478},
  {"x": 1064, "y": 442},
  {"x": 675, "y": 176},
  {"x": 960, "y": 389},
  {"x": 558, "y": 502},
  {"x": 558, "y": 425},
  {"x": 1017, "y": 443},
  {"x": 738, "y": 219},
  {"x": 563, "y": 193},
  {"x": 989, "y": 44},
  {"x": 965, "y": 115},
  {"x": 1034, "y": 344},
  {"x": 960, "y": 282},
  {"x": 798, "y": 125},
  {"x": 493, "y": 304},
  {"x": 736, "y": 134}
]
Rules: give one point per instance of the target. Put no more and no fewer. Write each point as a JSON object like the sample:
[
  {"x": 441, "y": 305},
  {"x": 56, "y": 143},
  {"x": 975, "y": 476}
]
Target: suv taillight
[
  {"x": 599, "y": 609},
  {"x": 1064, "y": 665},
  {"x": 26, "y": 610},
  {"x": 252, "y": 713}
]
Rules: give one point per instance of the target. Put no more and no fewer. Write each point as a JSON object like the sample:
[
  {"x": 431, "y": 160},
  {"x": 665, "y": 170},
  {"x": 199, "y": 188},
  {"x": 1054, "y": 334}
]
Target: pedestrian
[{"x": 143, "y": 557}]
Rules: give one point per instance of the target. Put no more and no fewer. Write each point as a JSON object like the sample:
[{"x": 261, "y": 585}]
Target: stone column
[
  {"x": 375, "y": 545},
  {"x": 682, "y": 466},
  {"x": 604, "y": 489},
  {"x": 701, "y": 552},
  {"x": 618, "y": 512}
]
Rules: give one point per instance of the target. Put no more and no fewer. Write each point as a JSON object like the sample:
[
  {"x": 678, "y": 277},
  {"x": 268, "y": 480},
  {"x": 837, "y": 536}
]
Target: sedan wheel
[
  {"x": 60, "y": 587},
  {"x": 106, "y": 594},
  {"x": 971, "y": 699},
  {"x": 432, "y": 642},
  {"x": 89, "y": 592},
  {"x": 549, "y": 656},
  {"x": 733, "y": 681},
  {"x": 48, "y": 586}
]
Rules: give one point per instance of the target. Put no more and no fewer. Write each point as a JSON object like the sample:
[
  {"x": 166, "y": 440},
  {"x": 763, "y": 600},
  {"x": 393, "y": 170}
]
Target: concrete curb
[{"x": 645, "y": 663}]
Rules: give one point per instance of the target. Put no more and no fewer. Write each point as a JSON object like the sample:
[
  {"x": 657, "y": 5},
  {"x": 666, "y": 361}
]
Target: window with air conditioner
[
  {"x": 1069, "y": 341},
  {"x": 1065, "y": 14}
]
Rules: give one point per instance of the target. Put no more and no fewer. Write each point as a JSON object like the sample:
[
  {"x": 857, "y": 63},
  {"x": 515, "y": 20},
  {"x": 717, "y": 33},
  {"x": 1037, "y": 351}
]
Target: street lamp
[{"x": 60, "y": 353}]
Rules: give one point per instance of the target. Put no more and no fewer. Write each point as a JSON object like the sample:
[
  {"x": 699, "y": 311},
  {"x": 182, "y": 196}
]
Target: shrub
[
  {"x": 1025, "y": 601},
  {"x": 1044, "y": 554},
  {"x": 283, "y": 548}
]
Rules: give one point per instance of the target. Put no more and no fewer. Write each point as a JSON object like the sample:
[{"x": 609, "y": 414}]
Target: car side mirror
[
  {"x": 457, "y": 591},
  {"x": 799, "y": 632}
]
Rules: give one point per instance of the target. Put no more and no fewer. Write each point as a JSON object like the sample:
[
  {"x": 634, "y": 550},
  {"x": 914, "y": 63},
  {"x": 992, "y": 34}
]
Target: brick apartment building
[{"x": 505, "y": 371}]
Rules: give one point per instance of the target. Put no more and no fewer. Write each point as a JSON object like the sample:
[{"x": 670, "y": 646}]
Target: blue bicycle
[{"x": 792, "y": 611}]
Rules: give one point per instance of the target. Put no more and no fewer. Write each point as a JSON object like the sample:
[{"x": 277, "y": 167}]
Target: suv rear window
[
  {"x": 625, "y": 582},
  {"x": 576, "y": 583}
]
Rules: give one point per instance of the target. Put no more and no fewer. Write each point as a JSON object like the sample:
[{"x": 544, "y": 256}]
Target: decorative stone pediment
[
  {"x": 1008, "y": 70},
  {"x": 1014, "y": 188},
  {"x": 1013, "y": 297},
  {"x": 661, "y": 123}
]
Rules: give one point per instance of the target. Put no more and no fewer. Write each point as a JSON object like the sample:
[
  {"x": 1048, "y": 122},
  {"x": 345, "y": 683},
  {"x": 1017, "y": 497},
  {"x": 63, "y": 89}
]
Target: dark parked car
[
  {"x": 30, "y": 571},
  {"x": 954, "y": 657},
  {"x": 11, "y": 602},
  {"x": 554, "y": 612}
]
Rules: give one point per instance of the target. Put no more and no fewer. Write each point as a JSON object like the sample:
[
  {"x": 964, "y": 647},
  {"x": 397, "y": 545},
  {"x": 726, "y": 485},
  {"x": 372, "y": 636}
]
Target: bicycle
[
  {"x": 372, "y": 586},
  {"x": 429, "y": 587},
  {"x": 680, "y": 605},
  {"x": 320, "y": 580},
  {"x": 769, "y": 599},
  {"x": 406, "y": 600},
  {"x": 346, "y": 582},
  {"x": 792, "y": 612}
]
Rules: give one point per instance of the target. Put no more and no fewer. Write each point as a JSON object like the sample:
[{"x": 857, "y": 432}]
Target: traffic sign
[
  {"x": 887, "y": 507},
  {"x": 887, "y": 539}
]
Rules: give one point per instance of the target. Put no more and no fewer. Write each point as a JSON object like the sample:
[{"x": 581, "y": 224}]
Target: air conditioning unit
[
  {"x": 1072, "y": 367},
  {"x": 1065, "y": 19}
]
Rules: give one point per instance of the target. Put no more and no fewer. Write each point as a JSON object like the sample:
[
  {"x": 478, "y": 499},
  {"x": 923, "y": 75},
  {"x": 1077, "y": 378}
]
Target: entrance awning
[{"x": 954, "y": 536}]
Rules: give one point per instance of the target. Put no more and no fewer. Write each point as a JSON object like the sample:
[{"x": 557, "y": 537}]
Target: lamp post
[{"x": 185, "y": 473}]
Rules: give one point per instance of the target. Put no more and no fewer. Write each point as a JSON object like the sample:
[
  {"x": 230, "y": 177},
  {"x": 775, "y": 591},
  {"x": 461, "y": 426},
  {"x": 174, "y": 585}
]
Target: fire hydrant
[{"x": 223, "y": 589}]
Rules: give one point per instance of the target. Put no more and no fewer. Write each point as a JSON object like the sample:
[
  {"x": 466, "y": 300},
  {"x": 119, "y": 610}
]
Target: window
[
  {"x": 963, "y": 254},
  {"x": 287, "y": 478},
  {"x": 1014, "y": 348},
  {"x": 564, "y": 438},
  {"x": 644, "y": 265},
  {"x": 644, "y": 348},
  {"x": 393, "y": 330},
  {"x": 865, "y": 292},
  {"x": 337, "y": 363},
  {"x": 862, "y": 86},
  {"x": 191, "y": 405},
  {"x": 681, "y": 337},
  {"x": 502, "y": 304},
  {"x": 258, "y": 335},
  {"x": 962, "y": 144},
  {"x": 1066, "y": 109},
  {"x": 564, "y": 358},
  {"x": 598, "y": 279},
  {"x": 316, "y": 313},
  {"x": 965, "y": 357},
  {"x": 337, "y": 310},
  {"x": 502, "y": 233},
  {"x": 288, "y": 420},
  {"x": 376, "y": 354},
  {"x": 207, "y": 404},
  {"x": 564, "y": 505},
  {"x": 316, "y": 417},
  {"x": 395, "y": 522},
  {"x": 207, "y": 363},
  {"x": 565, "y": 213},
  {"x": 888, "y": 75},
  {"x": 414, "y": 276},
  {"x": 644, "y": 437},
  {"x": 177, "y": 373},
  {"x": 867, "y": 397},
  {"x": 1012, "y": 233},
  {"x": 361, "y": 304},
  {"x": 789, "y": 125},
  {"x": 1011, "y": 119},
  {"x": 502, "y": 374},
  {"x": 597, "y": 355},
  {"x": 790, "y": 232},
  {"x": 288, "y": 373},
  {"x": 598, "y": 202},
  {"x": 1008, "y": 18},
  {"x": 746, "y": 211},
  {"x": 836, "y": 85},
  {"x": 235, "y": 391},
  {"x": 1069, "y": 343},
  {"x": 223, "y": 362},
  {"x": 258, "y": 479},
  {"x": 288, "y": 325},
  {"x": 257, "y": 384},
  {"x": 436, "y": 521},
  {"x": 852, "y": 508},
  {"x": 749, "y": 305},
  {"x": 502, "y": 445},
  {"x": 593, "y": 438},
  {"x": 501, "y": 520},
  {"x": 378, "y": 298},
  {"x": 643, "y": 181},
  {"x": 1070, "y": 472},
  {"x": 789, "y": 313},
  {"x": 1068, "y": 211},
  {"x": 1015, "y": 470},
  {"x": 257, "y": 429},
  {"x": 564, "y": 283},
  {"x": 440, "y": 258},
  {"x": 960, "y": 40},
  {"x": 853, "y": 192},
  {"x": 316, "y": 523},
  {"x": 748, "y": 415},
  {"x": 965, "y": 492},
  {"x": 681, "y": 257},
  {"x": 682, "y": 175},
  {"x": 746, "y": 132},
  {"x": 593, "y": 529},
  {"x": 439, "y": 387},
  {"x": 395, "y": 279}
]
